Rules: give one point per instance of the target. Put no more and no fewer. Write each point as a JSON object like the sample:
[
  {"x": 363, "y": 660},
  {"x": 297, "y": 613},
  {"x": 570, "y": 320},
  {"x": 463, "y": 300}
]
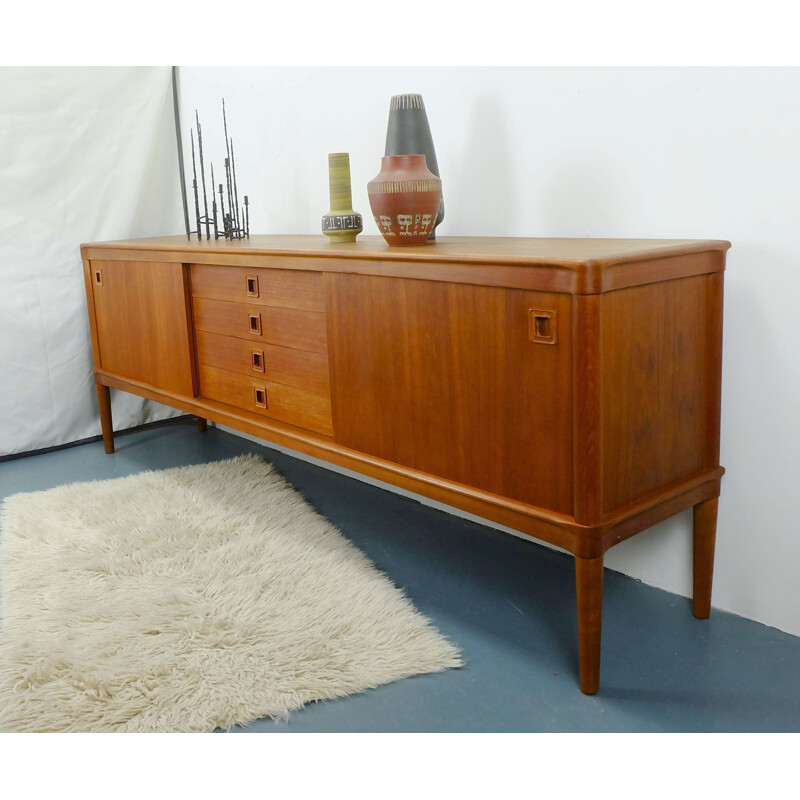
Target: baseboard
[{"x": 158, "y": 423}]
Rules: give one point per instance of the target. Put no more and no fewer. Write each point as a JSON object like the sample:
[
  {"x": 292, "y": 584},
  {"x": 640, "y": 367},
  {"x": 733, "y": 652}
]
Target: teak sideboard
[{"x": 566, "y": 388}]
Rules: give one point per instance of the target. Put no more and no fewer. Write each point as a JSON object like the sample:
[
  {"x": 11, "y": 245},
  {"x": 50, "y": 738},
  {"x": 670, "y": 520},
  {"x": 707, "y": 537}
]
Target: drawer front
[
  {"x": 276, "y": 400},
  {"x": 286, "y": 327},
  {"x": 282, "y": 288},
  {"x": 262, "y": 361}
]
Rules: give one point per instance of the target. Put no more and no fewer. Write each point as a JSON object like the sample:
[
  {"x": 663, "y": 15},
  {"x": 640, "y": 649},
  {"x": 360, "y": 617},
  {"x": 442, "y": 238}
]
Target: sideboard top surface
[
  {"x": 496, "y": 250},
  {"x": 566, "y": 265}
]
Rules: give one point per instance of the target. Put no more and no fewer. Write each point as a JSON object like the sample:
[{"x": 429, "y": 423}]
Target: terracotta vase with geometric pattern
[{"x": 405, "y": 197}]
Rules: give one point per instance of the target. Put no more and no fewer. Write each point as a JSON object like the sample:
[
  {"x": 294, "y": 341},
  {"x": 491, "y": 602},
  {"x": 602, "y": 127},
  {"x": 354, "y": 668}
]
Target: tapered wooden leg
[
  {"x": 589, "y": 585},
  {"x": 202, "y": 424},
  {"x": 104, "y": 401},
  {"x": 705, "y": 534}
]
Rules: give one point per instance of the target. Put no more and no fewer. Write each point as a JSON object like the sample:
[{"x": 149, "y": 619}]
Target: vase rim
[{"x": 408, "y": 101}]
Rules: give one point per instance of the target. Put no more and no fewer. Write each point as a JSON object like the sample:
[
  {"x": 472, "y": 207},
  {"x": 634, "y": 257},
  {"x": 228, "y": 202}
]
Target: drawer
[
  {"x": 285, "y": 403},
  {"x": 286, "y": 327},
  {"x": 283, "y": 288},
  {"x": 262, "y": 361}
]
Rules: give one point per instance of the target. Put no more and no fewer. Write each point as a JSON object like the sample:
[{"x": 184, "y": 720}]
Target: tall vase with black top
[{"x": 408, "y": 133}]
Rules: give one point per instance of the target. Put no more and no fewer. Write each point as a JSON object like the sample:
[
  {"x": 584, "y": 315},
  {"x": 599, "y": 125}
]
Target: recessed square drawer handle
[
  {"x": 542, "y": 326},
  {"x": 257, "y": 360},
  {"x": 98, "y": 277},
  {"x": 261, "y": 396},
  {"x": 255, "y": 324},
  {"x": 252, "y": 285}
]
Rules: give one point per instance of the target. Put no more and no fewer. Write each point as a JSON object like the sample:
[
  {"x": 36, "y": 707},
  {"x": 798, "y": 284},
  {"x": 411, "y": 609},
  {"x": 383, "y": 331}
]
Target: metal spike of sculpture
[{"x": 235, "y": 223}]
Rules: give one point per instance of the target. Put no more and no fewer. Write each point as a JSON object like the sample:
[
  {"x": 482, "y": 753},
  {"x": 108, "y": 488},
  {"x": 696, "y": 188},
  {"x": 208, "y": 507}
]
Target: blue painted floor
[{"x": 508, "y": 603}]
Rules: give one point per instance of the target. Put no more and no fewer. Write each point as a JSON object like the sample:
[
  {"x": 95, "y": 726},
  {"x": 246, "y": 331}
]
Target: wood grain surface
[
  {"x": 445, "y": 379},
  {"x": 575, "y": 266},
  {"x": 286, "y": 327},
  {"x": 143, "y": 331},
  {"x": 301, "y": 290},
  {"x": 286, "y": 403},
  {"x": 495, "y": 250},
  {"x": 658, "y": 383},
  {"x": 299, "y": 368}
]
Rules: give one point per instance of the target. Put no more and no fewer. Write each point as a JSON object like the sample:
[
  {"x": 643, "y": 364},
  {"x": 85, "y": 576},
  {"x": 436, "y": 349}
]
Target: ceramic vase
[
  {"x": 341, "y": 223},
  {"x": 405, "y": 197},
  {"x": 408, "y": 133}
]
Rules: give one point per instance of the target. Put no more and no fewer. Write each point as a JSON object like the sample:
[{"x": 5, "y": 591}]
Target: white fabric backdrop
[
  {"x": 691, "y": 153},
  {"x": 86, "y": 154}
]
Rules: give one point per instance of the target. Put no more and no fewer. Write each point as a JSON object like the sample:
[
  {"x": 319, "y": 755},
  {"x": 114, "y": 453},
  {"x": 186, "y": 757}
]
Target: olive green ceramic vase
[{"x": 341, "y": 223}]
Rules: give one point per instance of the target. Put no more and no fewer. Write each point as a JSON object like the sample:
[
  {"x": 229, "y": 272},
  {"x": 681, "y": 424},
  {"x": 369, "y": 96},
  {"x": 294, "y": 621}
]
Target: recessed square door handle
[
  {"x": 257, "y": 360},
  {"x": 542, "y": 326}
]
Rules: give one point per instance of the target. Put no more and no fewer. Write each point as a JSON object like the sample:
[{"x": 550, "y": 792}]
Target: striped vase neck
[
  {"x": 398, "y": 187},
  {"x": 407, "y": 101}
]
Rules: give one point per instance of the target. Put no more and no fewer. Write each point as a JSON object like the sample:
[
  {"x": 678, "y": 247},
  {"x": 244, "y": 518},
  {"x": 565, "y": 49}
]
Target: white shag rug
[{"x": 191, "y": 599}]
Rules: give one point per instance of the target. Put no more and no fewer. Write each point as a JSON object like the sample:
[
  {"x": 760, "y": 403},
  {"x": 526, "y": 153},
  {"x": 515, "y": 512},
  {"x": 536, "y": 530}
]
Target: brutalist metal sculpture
[{"x": 235, "y": 219}]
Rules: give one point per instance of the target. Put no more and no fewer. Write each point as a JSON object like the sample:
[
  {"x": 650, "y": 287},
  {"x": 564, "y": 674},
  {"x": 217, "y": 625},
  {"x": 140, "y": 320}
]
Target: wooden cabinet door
[
  {"x": 143, "y": 323},
  {"x": 470, "y": 383}
]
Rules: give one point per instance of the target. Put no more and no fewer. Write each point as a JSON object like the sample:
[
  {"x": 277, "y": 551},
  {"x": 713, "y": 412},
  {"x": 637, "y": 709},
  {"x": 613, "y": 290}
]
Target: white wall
[
  {"x": 86, "y": 154},
  {"x": 666, "y": 152}
]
